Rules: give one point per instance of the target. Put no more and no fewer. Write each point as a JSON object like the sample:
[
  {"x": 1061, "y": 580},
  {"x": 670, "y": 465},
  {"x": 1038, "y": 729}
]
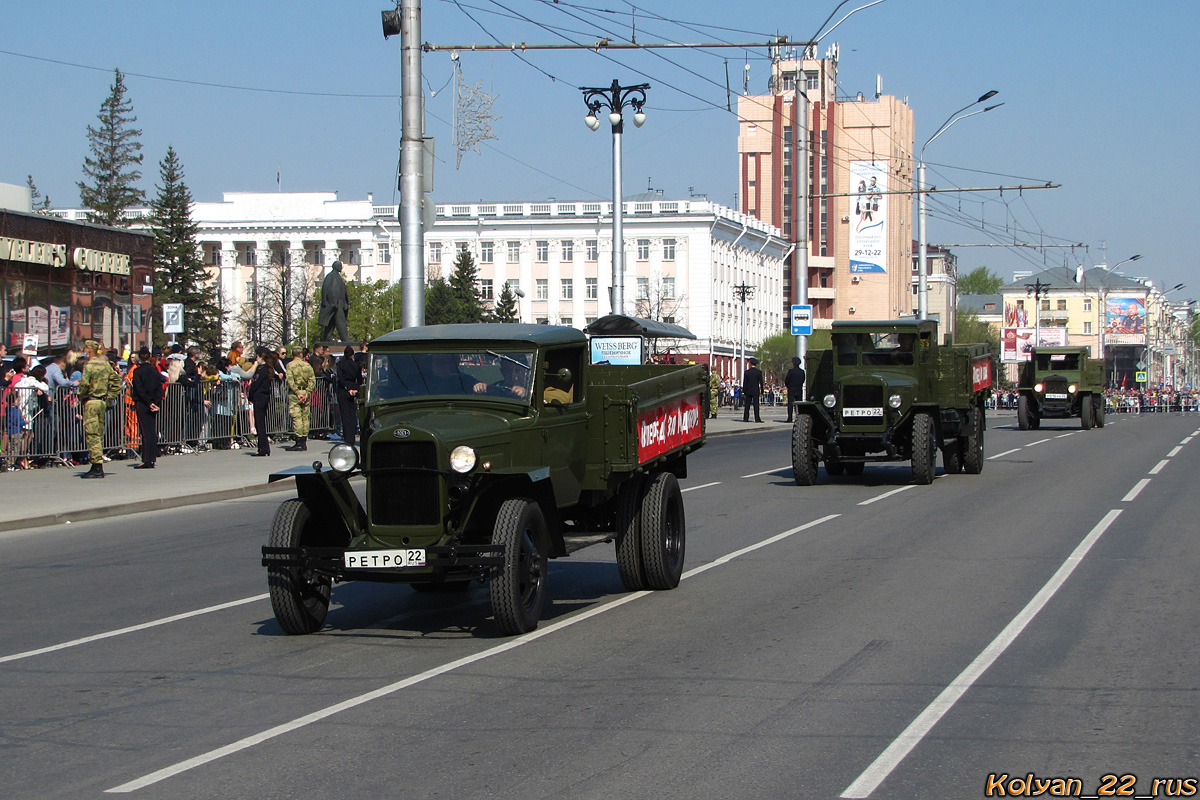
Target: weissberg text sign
[{"x": 668, "y": 426}]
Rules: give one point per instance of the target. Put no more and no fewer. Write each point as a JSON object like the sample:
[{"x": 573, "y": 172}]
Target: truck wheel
[
  {"x": 629, "y": 536},
  {"x": 1085, "y": 413},
  {"x": 973, "y": 445},
  {"x": 804, "y": 452},
  {"x": 1098, "y": 410},
  {"x": 924, "y": 448},
  {"x": 663, "y": 531},
  {"x": 833, "y": 466},
  {"x": 299, "y": 598},
  {"x": 518, "y": 589},
  {"x": 952, "y": 458},
  {"x": 1023, "y": 418}
]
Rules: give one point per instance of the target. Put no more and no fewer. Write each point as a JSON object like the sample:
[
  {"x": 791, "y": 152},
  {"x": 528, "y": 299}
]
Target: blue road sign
[{"x": 802, "y": 320}]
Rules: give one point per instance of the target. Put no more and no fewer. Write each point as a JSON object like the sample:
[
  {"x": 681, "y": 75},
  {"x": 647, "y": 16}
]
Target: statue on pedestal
[{"x": 335, "y": 304}]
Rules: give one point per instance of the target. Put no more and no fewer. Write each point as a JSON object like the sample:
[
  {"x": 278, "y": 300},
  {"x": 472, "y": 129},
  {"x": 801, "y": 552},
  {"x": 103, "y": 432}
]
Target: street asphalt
[{"x": 57, "y": 495}]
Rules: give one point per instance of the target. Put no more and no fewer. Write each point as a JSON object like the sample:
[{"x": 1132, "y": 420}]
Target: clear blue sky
[{"x": 1099, "y": 96}]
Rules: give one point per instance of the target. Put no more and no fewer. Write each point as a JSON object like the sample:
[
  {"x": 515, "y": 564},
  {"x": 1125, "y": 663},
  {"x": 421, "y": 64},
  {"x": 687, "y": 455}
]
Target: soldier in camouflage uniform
[
  {"x": 714, "y": 391},
  {"x": 301, "y": 382},
  {"x": 100, "y": 384}
]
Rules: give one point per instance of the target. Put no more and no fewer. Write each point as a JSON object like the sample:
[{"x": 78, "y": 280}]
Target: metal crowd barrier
[{"x": 48, "y": 426}]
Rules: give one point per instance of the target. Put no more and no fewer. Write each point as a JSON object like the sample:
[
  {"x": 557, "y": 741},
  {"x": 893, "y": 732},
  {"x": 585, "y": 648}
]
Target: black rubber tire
[
  {"x": 1024, "y": 420},
  {"x": 854, "y": 468},
  {"x": 1098, "y": 410},
  {"x": 804, "y": 452},
  {"x": 952, "y": 457},
  {"x": 973, "y": 443},
  {"x": 833, "y": 466},
  {"x": 924, "y": 449},
  {"x": 300, "y": 600},
  {"x": 664, "y": 531},
  {"x": 630, "y": 564},
  {"x": 518, "y": 589},
  {"x": 1086, "y": 420}
]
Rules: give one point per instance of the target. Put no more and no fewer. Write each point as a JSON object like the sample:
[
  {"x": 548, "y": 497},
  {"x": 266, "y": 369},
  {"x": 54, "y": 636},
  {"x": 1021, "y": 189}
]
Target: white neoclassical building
[{"x": 683, "y": 258}]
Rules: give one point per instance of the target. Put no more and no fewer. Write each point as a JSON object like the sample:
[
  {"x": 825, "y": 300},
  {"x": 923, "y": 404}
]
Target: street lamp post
[
  {"x": 616, "y": 98},
  {"x": 923, "y": 263},
  {"x": 744, "y": 292},
  {"x": 1037, "y": 290}
]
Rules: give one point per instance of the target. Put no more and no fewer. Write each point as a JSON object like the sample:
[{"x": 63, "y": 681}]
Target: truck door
[{"x": 564, "y": 420}]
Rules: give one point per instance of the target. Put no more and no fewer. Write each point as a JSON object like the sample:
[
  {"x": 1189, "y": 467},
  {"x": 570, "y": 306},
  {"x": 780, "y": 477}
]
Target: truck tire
[
  {"x": 833, "y": 465},
  {"x": 972, "y": 457},
  {"x": 299, "y": 598},
  {"x": 663, "y": 531},
  {"x": 1085, "y": 413},
  {"x": 924, "y": 448},
  {"x": 1023, "y": 419},
  {"x": 518, "y": 588},
  {"x": 804, "y": 452},
  {"x": 952, "y": 457},
  {"x": 629, "y": 535},
  {"x": 1098, "y": 409}
]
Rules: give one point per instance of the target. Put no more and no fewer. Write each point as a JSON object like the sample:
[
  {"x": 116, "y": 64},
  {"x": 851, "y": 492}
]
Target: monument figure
[{"x": 335, "y": 304}]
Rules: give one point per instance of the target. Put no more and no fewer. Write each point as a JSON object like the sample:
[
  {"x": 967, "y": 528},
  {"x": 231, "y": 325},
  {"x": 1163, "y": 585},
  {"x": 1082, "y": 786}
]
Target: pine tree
[
  {"x": 439, "y": 303},
  {"x": 464, "y": 285},
  {"x": 506, "y": 306},
  {"x": 179, "y": 273},
  {"x": 116, "y": 152},
  {"x": 40, "y": 204}
]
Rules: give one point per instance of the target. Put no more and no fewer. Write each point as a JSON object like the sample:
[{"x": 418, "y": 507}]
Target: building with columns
[{"x": 682, "y": 259}]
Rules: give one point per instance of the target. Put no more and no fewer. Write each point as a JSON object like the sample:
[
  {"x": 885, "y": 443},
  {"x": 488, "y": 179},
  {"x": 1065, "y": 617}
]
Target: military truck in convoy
[
  {"x": 888, "y": 391},
  {"x": 1061, "y": 383},
  {"x": 488, "y": 449}
]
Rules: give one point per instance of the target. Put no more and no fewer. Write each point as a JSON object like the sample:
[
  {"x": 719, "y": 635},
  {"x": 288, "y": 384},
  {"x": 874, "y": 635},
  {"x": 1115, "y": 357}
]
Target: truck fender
[
  {"x": 822, "y": 422},
  {"x": 536, "y": 486},
  {"x": 335, "y": 509}
]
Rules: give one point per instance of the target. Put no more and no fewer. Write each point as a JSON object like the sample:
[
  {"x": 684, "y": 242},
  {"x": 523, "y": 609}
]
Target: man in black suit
[
  {"x": 752, "y": 385},
  {"x": 794, "y": 381}
]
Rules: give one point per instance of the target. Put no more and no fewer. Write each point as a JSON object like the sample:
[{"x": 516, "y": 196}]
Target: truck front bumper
[{"x": 444, "y": 564}]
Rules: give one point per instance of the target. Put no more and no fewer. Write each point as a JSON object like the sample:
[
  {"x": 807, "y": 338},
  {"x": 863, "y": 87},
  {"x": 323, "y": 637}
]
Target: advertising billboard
[
  {"x": 1125, "y": 320},
  {"x": 868, "y": 216},
  {"x": 1015, "y": 343}
]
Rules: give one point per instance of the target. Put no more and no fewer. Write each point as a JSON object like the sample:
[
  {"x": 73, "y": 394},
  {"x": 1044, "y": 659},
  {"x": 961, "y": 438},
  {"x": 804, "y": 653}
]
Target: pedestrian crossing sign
[{"x": 1139, "y": 377}]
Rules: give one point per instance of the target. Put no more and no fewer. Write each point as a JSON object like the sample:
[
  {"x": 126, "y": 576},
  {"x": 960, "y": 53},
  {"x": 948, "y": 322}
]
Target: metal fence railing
[{"x": 47, "y": 427}]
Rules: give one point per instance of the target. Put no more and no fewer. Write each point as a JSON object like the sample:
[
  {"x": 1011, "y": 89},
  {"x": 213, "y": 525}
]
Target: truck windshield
[
  {"x": 476, "y": 373},
  {"x": 1056, "y": 361},
  {"x": 876, "y": 349}
]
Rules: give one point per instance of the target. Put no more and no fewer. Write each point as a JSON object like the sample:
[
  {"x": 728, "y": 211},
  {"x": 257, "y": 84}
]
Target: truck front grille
[
  {"x": 862, "y": 397},
  {"x": 405, "y": 496}
]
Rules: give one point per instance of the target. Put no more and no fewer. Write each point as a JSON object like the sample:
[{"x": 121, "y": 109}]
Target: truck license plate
[
  {"x": 862, "y": 412},
  {"x": 383, "y": 559},
  {"x": 1055, "y": 396}
]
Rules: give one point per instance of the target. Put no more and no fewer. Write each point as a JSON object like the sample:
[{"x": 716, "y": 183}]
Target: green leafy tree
[
  {"x": 111, "y": 169},
  {"x": 775, "y": 353},
  {"x": 440, "y": 303},
  {"x": 40, "y": 204},
  {"x": 464, "y": 285},
  {"x": 179, "y": 274},
  {"x": 980, "y": 281},
  {"x": 506, "y": 307}
]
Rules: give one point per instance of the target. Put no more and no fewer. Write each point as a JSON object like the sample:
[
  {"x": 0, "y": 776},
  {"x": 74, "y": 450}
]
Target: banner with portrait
[
  {"x": 868, "y": 216},
  {"x": 1125, "y": 320},
  {"x": 1016, "y": 343}
]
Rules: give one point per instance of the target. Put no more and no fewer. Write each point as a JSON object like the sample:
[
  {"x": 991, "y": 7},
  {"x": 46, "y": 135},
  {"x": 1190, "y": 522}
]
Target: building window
[
  {"x": 486, "y": 252},
  {"x": 384, "y": 254},
  {"x": 591, "y": 288},
  {"x": 542, "y": 286},
  {"x": 1087, "y": 327},
  {"x": 1062, "y": 305},
  {"x": 250, "y": 292},
  {"x": 1046, "y": 305},
  {"x": 1087, "y": 304},
  {"x": 316, "y": 255},
  {"x": 668, "y": 288},
  {"x": 668, "y": 249},
  {"x": 568, "y": 289},
  {"x": 643, "y": 288},
  {"x": 593, "y": 249},
  {"x": 214, "y": 257},
  {"x": 643, "y": 249},
  {"x": 566, "y": 321},
  {"x": 543, "y": 320},
  {"x": 543, "y": 251},
  {"x": 514, "y": 286},
  {"x": 461, "y": 247},
  {"x": 811, "y": 81},
  {"x": 670, "y": 320},
  {"x": 485, "y": 288},
  {"x": 567, "y": 248},
  {"x": 588, "y": 320},
  {"x": 249, "y": 256},
  {"x": 435, "y": 252},
  {"x": 514, "y": 252}
]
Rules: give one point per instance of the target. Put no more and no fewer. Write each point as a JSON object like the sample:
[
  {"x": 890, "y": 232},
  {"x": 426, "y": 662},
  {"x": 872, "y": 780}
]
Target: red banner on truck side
[
  {"x": 981, "y": 373},
  {"x": 662, "y": 429}
]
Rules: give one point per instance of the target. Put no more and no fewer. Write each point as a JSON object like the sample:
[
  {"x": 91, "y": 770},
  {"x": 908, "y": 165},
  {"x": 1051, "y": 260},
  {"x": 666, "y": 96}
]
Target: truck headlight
[
  {"x": 343, "y": 458},
  {"x": 1037, "y": 387},
  {"x": 462, "y": 459},
  {"x": 894, "y": 401},
  {"x": 830, "y": 400},
  {"x": 1071, "y": 388}
]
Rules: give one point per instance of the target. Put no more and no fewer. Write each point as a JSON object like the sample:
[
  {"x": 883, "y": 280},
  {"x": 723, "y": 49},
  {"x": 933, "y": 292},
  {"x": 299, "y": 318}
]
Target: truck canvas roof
[{"x": 514, "y": 332}]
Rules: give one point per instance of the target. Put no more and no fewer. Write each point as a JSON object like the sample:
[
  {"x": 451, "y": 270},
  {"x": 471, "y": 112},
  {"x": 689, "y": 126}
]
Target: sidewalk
[{"x": 57, "y": 495}]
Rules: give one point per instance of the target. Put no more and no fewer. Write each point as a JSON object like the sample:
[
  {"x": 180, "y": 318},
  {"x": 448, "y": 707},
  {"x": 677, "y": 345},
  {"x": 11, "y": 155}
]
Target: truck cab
[{"x": 1061, "y": 383}]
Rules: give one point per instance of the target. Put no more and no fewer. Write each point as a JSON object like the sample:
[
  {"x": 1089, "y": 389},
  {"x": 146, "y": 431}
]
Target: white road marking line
[
  {"x": 1039, "y": 441},
  {"x": 133, "y": 628},
  {"x": 767, "y": 472},
  {"x": 1063, "y": 435},
  {"x": 1137, "y": 487},
  {"x": 1005, "y": 453},
  {"x": 886, "y": 494},
  {"x": 384, "y": 691},
  {"x": 1158, "y": 467},
  {"x": 701, "y": 486},
  {"x": 1174, "y": 451},
  {"x": 1186, "y": 440},
  {"x": 902, "y": 745}
]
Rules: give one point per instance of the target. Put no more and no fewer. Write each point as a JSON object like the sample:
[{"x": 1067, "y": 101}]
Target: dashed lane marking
[
  {"x": 1005, "y": 453},
  {"x": 1135, "y": 491},
  {"x": 1158, "y": 467},
  {"x": 887, "y": 494},
  {"x": 701, "y": 486},
  {"x": 767, "y": 472}
]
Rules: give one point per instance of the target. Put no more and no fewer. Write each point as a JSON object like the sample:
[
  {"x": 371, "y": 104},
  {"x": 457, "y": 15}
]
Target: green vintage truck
[
  {"x": 1060, "y": 383},
  {"x": 487, "y": 450},
  {"x": 887, "y": 391}
]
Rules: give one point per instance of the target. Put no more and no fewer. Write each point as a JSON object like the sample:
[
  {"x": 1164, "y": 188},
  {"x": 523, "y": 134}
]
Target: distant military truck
[
  {"x": 487, "y": 450},
  {"x": 887, "y": 391},
  {"x": 1060, "y": 383}
]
